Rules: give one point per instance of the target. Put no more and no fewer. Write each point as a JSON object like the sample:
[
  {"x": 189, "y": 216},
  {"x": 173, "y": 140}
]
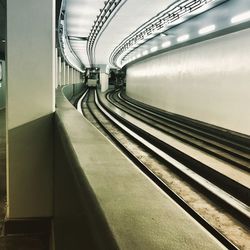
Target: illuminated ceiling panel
[
  {"x": 80, "y": 16},
  {"x": 130, "y": 17},
  {"x": 124, "y": 17}
]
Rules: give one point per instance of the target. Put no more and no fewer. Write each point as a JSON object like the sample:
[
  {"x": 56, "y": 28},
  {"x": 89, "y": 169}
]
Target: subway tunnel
[{"x": 124, "y": 124}]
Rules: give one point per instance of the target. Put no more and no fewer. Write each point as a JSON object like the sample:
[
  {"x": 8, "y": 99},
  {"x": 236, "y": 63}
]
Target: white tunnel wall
[{"x": 207, "y": 81}]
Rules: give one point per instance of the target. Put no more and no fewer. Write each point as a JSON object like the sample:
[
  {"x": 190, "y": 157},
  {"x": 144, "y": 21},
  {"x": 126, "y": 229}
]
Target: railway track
[
  {"x": 233, "y": 151},
  {"x": 159, "y": 168},
  {"x": 228, "y": 177}
]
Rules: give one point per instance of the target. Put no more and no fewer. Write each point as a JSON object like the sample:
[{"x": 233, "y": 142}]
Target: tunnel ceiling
[
  {"x": 81, "y": 15},
  {"x": 99, "y": 31}
]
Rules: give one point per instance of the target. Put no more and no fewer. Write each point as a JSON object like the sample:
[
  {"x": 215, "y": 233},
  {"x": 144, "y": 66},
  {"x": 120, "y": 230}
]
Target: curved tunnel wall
[
  {"x": 208, "y": 81},
  {"x": 72, "y": 89}
]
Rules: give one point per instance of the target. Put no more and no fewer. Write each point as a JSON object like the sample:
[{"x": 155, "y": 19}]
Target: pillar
[
  {"x": 63, "y": 73},
  {"x": 66, "y": 74},
  {"x": 71, "y": 75},
  {"x": 74, "y": 76},
  {"x": 79, "y": 76},
  {"x": 59, "y": 71},
  {"x": 30, "y": 107},
  {"x": 104, "y": 77},
  {"x": 104, "y": 81},
  {"x": 56, "y": 68}
]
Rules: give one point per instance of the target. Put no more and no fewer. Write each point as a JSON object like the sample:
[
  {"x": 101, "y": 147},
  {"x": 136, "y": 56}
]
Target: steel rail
[
  {"x": 201, "y": 220},
  {"x": 184, "y": 133},
  {"x": 239, "y": 209}
]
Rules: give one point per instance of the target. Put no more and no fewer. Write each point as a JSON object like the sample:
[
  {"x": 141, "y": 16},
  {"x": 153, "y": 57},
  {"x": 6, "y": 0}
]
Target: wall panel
[{"x": 208, "y": 81}]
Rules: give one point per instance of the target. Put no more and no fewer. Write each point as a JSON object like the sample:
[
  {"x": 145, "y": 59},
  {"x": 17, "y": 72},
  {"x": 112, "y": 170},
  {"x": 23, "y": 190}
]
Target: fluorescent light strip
[
  {"x": 206, "y": 29},
  {"x": 166, "y": 44},
  {"x": 79, "y": 106},
  {"x": 153, "y": 49},
  {"x": 181, "y": 167},
  {"x": 241, "y": 17},
  {"x": 145, "y": 52},
  {"x": 183, "y": 38}
]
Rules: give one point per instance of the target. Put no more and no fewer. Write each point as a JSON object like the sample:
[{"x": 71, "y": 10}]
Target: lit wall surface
[{"x": 208, "y": 81}]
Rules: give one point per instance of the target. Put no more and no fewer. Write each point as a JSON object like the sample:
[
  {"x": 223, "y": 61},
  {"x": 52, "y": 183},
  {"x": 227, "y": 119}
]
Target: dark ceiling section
[
  {"x": 2, "y": 28},
  {"x": 58, "y": 7}
]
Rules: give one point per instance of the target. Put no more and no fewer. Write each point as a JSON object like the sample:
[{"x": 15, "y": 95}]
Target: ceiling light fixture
[
  {"x": 206, "y": 29},
  {"x": 241, "y": 17},
  {"x": 176, "y": 13},
  {"x": 163, "y": 34},
  {"x": 183, "y": 38},
  {"x": 153, "y": 49},
  {"x": 166, "y": 44}
]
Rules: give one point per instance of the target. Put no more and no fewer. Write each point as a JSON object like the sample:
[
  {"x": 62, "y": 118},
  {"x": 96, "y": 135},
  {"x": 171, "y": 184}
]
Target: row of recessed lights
[
  {"x": 234, "y": 20},
  {"x": 179, "y": 39}
]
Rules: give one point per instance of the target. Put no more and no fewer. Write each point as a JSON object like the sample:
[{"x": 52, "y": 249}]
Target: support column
[
  {"x": 104, "y": 77},
  {"x": 74, "y": 76},
  {"x": 69, "y": 82},
  {"x": 104, "y": 80},
  {"x": 59, "y": 71},
  {"x": 79, "y": 76},
  {"x": 56, "y": 68},
  {"x": 71, "y": 75},
  {"x": 63, "y": 73},
  {"x": 66, "y": 74},
  {"x": 30, "y": 107}
]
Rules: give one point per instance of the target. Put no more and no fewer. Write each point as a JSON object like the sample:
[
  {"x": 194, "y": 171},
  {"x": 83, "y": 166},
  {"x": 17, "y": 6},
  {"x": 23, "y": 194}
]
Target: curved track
[
  {"x": 228, "y": 177},
  {"x": 111, "y": 125},
  {"x": 236, "y": 152}
]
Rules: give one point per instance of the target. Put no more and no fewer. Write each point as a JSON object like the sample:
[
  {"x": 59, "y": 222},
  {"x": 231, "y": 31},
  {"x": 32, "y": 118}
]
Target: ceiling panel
[
  {"x": 133, "y": 14},
  {"x": 81, "y": 14}
]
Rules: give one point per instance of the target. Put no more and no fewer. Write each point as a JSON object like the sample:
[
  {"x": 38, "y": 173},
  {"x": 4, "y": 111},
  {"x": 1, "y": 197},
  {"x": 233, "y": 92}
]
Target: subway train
[{"x": 92, "y": 77}]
